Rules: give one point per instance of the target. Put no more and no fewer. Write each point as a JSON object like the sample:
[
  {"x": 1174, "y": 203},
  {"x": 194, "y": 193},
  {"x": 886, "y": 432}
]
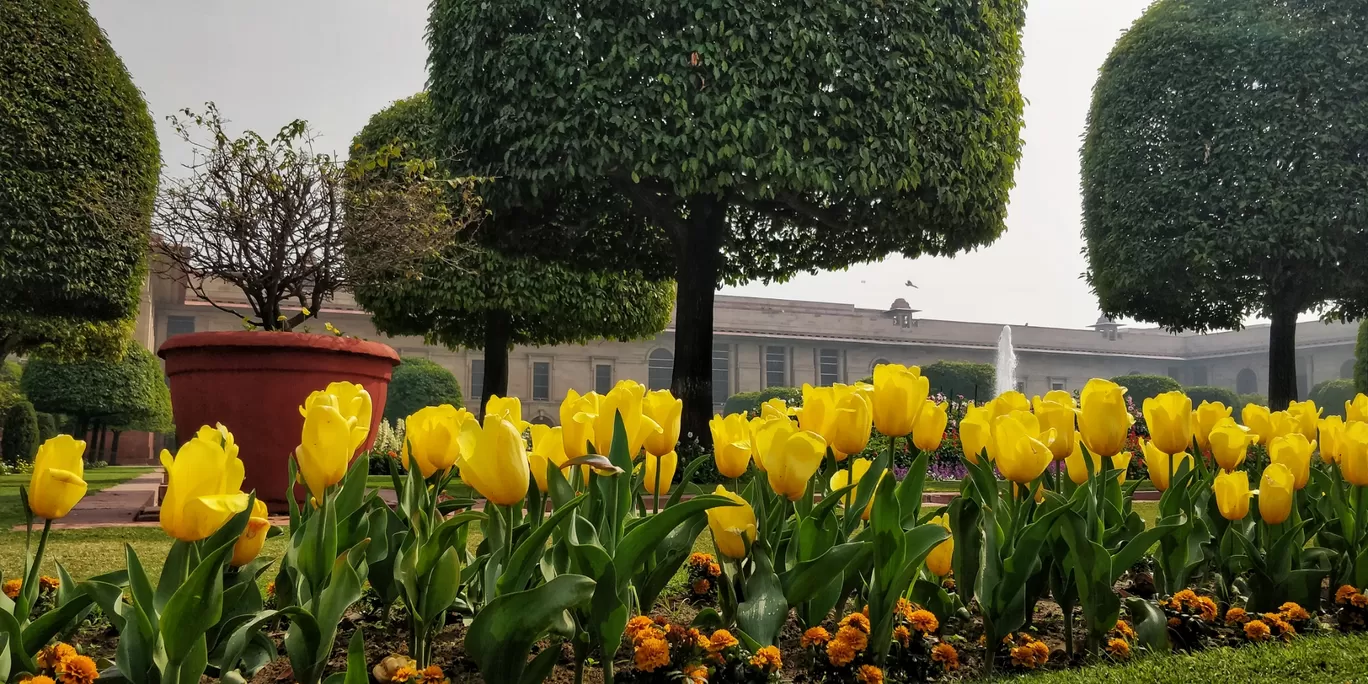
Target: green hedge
[
  {"x": 419, "y": 383},
  {"x": 78, "y": 175},
  {"x": 1252, "y": 398},
  {"x": 128, "y": 394},
  {"x": 20, "y": 442},
  {"x": 1201, "y": 393},
  {"x": 1142, "y": 387},
  {"x": 974, "y": 381},
  {"x": 1361, "y": 358},
  {"x": 47, "y": 427},
  {"x": 749, "y": 402},
  {"x": 1331, "y": 395}
]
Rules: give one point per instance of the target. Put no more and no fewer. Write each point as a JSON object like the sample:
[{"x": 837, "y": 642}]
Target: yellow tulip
[
  {"x": 665, "y": 410},
  {"x": 731, "y": 444},
  {"x": 1353, "y": 454},
  {"x": 326, "y": 445},
  {"x": 1062, "y": 398},
  {"x": 776, "y": 408},
  {"x": 1009, "y": 402},
  {"x": 627, "y": 399},
  {"x": 854, "y": 421},
  {"x": 494, "y": 459},
  {"x": 204, "y": 483},
  {"x": 1284, "y": 423},
  {"x": 733, "y": 527},
  {"x": 1121, "y": 462},
  {"x": 548, "y": 447},
  {"x": 1275, "y": 493},
  {"x": 1103, "y": 420},
  {"x": 1259, "y": 420},
  {"x": 857, "y": 469},
  {"x": 1307, "y": 416},
  {"x": 1169, "y": 418},
  {"x": 578, "y": 413},
  {"x": 940, "y": 559},
  {"x": 1229, "y": 443},
  {"x": 1356, "y": 409},
  {"x": 1039, "y": 492},
  {"x": 1204, "y": 418},
  {"x": 1331, "y": 436},
  {"x": 1232, "y": 494},
  {"x": 929, "y": 428},
  {"x": 1293, "y": 451},
  {"x": 976, "y": 433},
  {"x": 818, "y": 413},
  {"x": 1163, "y": 467},
  {"x": 794, "y": 457},
  {"x": 351, "y": 400},
  {"x": 1022, "y": 455},
  {"x": 57, "y": 483},
  {"x": 1059, "y": 417},
  {"x": 666, "y": 465},
  {"x": 253, "y": 537},
  {"x": 431, "y": 438},
  {"x": 763, "y": 432},
  {"x": 899, "y": 393}
]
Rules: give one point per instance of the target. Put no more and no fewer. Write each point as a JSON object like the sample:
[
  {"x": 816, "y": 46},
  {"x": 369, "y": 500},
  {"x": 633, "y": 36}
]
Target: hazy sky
[{"x": 336, "y": 62}]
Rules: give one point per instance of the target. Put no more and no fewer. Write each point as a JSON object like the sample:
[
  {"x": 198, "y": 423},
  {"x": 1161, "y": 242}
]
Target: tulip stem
[
  {"x": 850, "y": 480},
  {"x": 655, "y": 492}
]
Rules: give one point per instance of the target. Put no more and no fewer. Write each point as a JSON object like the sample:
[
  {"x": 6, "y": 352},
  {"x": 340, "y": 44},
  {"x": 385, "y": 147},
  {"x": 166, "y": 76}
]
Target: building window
[
  {"x": 179, "y": 325},
  {"x": 721, "y": 374},
  {"x": 659, "y": 369},
  {"x": 776, "y": 366},
  {"x": 1246, "y": 382},
  {"x": 828, "y": 367},
  {"x": 603, "y": 377},
  {"x": 1059, "y": 383},
  {"x": 541, "y": 381},
  {"x": 476, "y": 379},
  {"x": 1021, "y": 385}
]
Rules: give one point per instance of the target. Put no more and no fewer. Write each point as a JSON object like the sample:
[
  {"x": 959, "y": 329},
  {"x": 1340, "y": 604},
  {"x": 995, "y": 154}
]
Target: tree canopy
[
  {"x": 78, "y": 173},
  {"x": 129, "y": 394},
  {"x": 761, "y": 140},
  {"x": 473, "y": 296},
  {"x": 1224, "y": 167}
]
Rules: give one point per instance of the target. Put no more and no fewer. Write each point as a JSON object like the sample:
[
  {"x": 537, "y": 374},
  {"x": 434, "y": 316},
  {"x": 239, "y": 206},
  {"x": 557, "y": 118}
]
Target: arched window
[
  {"x": 1347, "y": 370},
  {"x": 659, "y": 369},
  {"x": 1246, "y": 382},
  {"x": 543, "y": 419},
  {"x": 877, "y": 363}
]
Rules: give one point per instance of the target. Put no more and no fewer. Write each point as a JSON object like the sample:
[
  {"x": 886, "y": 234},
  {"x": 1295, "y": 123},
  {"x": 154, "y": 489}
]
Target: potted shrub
[{"x": 266, "y": 216}]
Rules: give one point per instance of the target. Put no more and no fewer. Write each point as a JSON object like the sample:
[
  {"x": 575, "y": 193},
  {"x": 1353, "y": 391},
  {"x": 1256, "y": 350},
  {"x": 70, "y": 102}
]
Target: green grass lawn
[
  {"x": 12, "y": 512},
  {"x": 1330, "y": 658}
]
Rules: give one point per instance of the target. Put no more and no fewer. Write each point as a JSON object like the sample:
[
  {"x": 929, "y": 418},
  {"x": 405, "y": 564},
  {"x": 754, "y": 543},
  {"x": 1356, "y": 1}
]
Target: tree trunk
[
  {"x": 1282, "y": 355},
  {"x": 498, "y": 331},
  {"x": 114, "y": 448},
  {"x": 699, "y": 260},
  {"x": 99, "y": 440}
]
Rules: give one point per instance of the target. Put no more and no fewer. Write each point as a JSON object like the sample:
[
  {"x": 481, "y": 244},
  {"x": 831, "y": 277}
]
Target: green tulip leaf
[
  {"x": 56, "y": 621},
  {"x": 763, "y": 613},
  {"x": 502, "y": 634},
  {"x": 685, "y": 479},
  {"x": 642, "y": 541},
  {"x": 668, "y": 557},
  {"x": 140, "y": 587},
  {"x": 1151, "y": 624},
  {"x": 442, "y": 587},
  {"x": 802, "y": 582},
  {"x": 523, "y": 562},
  {"x": 194, "y": 607},
  {"x": 910, "y": 489},
  {"x": 173, "y": 575},
  {"x": 14, "y": 639},
  {"x": 1138, "y": 547}
]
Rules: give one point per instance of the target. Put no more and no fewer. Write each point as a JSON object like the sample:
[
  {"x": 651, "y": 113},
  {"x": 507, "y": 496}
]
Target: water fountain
[{"x": 1006, "y": 363}]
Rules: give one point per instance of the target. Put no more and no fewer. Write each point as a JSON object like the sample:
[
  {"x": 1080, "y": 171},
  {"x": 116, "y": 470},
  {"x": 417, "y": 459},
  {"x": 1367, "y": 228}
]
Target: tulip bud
[
  {"x": 1275, "y": 494},
  {"x": 666, "y": 466},
  {"x": 1229, "y": 443},
  {"x": 625, "y": 399},
  {"x": 1163, "y": 467},
  {"x": 1169, "y": 419},
  {"x": 548, "y": 448},
  {"x": 1353, "y": 454},
  {"x": 253, "y": 537},
  {"x": 1306, "y": 415},
  {"x": 1259, "y": 420},
  {"x": 203, "y": 486},
  {"x": 731, "y": 444},
  {"x": 976, "y": 433},
  {"x": 854, "y": 422},
  {"x": 1331, "y": 437},
  {"x": 578, "y": 414},
  {"x": 733, "y": 527},
  {"x": 1293, "y": 451},
  {"x": 57, "y": 484},
  {"x": 940, "y": 559},
  {"x": 1204, "y": 418},
  {"x": 899, "y": 392},
  {"x": 431, "y": 438},
  {"x": 1232, "y": 494},
  {"x": 1021, "y": 455},
  {"x": 1059, "y": 417},
  {"x": 494, "y": 459},
  {"x": 794, "y": 458},
  {"x": 929, "y": 428},
  {"x": 1356, "y": 409},
  {"x": 856, "y": 473},
  {"x": 1103, "y": 419},
  {"x": 666, "y": 411}
]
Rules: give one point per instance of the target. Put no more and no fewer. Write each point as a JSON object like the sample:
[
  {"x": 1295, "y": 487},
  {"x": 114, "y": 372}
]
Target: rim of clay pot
[{"x": 262, "y": 339}]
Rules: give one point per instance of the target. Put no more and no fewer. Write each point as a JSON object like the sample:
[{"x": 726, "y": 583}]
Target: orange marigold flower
[
  {"x": 698, "y": 639},
  {"x": 1023, "y": 656},
  {"x": 905, "y": 609},
  {"x": 1185, "y": 596},
  {"x": 1256, "y": 630},
  {"x": 270, "y": 588},
  {"x": 854, "y": 636},
  {"x": 1119, "y": 648},
  {"x": 37, "y": 679},
  {"x": 721, "y": 640},
  {"x": 839, "y": 652},
  {"x": 433, "y": 675},
  {"x": 46, "y": 583},
  {"x": 1174, "y": 622},
  {"x": 651, "y": 653},
  {"x": 815, "y": 636},
  {"x": 700, "y": 560},
  {"x": 696, "y": 674},
  {"x": 856, "y": 620},
  {"x": 1042, "y": 652},
  {"x": 1124, "y": 629},
  {"x": 78, "y": 670},
  {"x": 946, "y": 655},
  {"x": 1344, "y": 593},
  {"x": 405, "y": 674},
  {"x": 903, "y": 635},
  {"x": 701, "y": 586},
  {"x": 869, "y": 674},
  {"x": 49, "y": 657},
  {"x": 1292, "y": 611},
  {"x": 1359, "y": 601},
  {"x": 1236, "y": 616},
  {"x": 640, "y": 625},
  {"x": 1207, "y": 608},
  {"x": 767, "y": 659},
  {"x": 924, "y": 621},
  {"x": 12, "y": 588},
  {"x": 714, "y": 570}
]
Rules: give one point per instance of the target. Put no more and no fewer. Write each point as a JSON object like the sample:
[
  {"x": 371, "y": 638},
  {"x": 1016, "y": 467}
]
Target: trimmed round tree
[
  {"x": 21, "y": 439},
  {"x": 129, "y": 394},
  {"x": 1223, "y": 169},
  {"x": 78, "y": 174},
  {"x": 419, "y": 383},
  {"x": 760, "y": 139},
  {"x": 471, "y": 296}
]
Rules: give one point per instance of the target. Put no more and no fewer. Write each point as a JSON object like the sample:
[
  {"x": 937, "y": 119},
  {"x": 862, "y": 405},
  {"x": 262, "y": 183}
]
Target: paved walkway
[{"x": 118, "y": 506}]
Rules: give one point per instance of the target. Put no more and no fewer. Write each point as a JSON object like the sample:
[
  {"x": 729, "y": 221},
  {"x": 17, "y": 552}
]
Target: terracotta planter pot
[{"x": 255, "y": 382}]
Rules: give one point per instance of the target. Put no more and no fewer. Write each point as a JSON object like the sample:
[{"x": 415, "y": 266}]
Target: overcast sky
[{"x": 336, "y": 62}]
